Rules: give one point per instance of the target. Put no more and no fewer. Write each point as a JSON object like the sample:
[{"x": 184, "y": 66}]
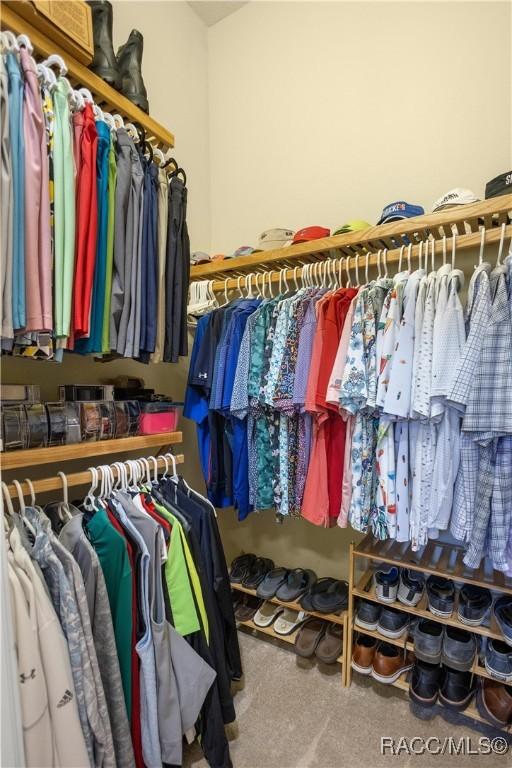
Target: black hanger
[
  {"x": 170, "y": 161},
  {"x": 145, "y": 146},
  {"x": 176, "y": 173}
]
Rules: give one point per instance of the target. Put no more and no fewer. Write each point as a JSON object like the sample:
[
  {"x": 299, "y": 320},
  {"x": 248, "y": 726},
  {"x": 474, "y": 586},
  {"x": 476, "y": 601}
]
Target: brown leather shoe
[
  {"x": 494, "y": 702},
  {"x": 389, "y": 663},
  {"x": 363, "y": 653}
]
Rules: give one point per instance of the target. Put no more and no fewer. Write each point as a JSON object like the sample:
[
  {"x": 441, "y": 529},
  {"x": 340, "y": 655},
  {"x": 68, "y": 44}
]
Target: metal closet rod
[
  {"x": 77, "y": 478},
  {"x": 462, "y": 243}
]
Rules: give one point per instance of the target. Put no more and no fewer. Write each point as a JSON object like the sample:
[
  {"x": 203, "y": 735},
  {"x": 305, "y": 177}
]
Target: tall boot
[
  {"x": 104, "y": 63},
  {"x": 129, "y": 59}
]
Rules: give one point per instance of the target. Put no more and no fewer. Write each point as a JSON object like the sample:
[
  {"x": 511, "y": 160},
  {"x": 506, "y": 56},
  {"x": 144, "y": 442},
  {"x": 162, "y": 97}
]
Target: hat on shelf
[
  {"x": 218, "y": 257},
  {"x": 244, "y": 250},
  {"x": 199, "y": 257},
  {"x": 356, "y": 225},
  {"x": 500, "y": 185},
  {"x": 400, "y": 210},
  {"x": 310, "y": 233},
  {"x": 275, "y": 238},
  {"x": 454, "y": 197}
]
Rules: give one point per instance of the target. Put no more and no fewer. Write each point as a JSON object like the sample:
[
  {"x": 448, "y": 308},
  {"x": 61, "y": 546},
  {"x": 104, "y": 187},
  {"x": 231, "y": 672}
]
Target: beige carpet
[{"x": 294, "y": 713}]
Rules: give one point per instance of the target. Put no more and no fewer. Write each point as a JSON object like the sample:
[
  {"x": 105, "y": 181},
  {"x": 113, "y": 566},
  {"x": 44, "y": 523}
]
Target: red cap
[{"x": 310, "y": 233}]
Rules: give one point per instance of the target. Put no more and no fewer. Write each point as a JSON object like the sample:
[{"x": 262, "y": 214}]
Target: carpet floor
[{"x": 294, "y": 713}]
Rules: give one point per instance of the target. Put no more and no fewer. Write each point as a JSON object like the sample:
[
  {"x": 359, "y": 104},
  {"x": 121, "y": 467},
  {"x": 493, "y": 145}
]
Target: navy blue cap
[{"x": 400, "y": 210}]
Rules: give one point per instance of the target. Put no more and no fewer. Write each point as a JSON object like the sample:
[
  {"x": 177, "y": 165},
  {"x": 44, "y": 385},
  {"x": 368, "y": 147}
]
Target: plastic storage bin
[{"x": 158, "y": 416}]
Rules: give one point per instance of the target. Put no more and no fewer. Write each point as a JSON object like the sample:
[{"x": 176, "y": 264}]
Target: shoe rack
[
  {"x": 434, "y": 558},
  {"x": 335, "y": 618}
]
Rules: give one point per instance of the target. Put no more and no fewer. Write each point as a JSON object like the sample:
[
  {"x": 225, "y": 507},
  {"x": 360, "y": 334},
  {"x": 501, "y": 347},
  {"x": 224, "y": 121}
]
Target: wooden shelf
[
  {"x": 366, "y": 590},
  {"x": 434, "y": 558},
  {"x": 55, "y": 454},
  {"x": 105, "y": 96},
  {"x": 463, "y": 220},
  {"x": 336, "y": 618}
]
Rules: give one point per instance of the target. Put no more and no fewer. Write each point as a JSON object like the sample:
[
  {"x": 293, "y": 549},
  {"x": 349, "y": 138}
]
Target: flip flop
[
  {"x": 267, "y": 614},
  {"x": 247, "y": 607},
  {"x": 240, "y": 566},
  {"x": 297, "y": 582},
  {"x": 330, "y": 646},
  {"x": 289, "y": 621},
  {"x": 271, "y": 583},
  {"x": 308, "y": 637},
  {"x": 332, "y": 599},
  {"x": 257, "y": 571},
  {"x": 320, "y": 585}
]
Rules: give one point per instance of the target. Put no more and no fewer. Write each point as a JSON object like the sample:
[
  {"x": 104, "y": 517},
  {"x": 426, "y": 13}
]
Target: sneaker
[
  {"x": 441, "y": 596},
  {"x": 502, "y": 610},
  {"x": 459, "y": 649},
  {"x": 411, "y": 587},
  {"x": 392, "y": 623},
  {"x": 390, "y": 662},
  {"x": 367, "y": 614},
  {"x": 457, "y": 689},
  {"x": 386, "y": 584},
  {"x": 428, "y": 641},
  {"x": 494, "y": 702},
  {"x": 425, "y": 680},
  {"x": 363, "y": 653},
  {"x": 498, "y": 660},
  {"x": 474, "y": 604}
]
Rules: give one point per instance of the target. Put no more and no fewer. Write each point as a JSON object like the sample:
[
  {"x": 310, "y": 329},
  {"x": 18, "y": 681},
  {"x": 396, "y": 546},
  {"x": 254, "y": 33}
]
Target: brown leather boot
[
  {"x": 363, "y": 653},
  {"x": 494, "y": 702},
  {"x": 390, "y": 662}
]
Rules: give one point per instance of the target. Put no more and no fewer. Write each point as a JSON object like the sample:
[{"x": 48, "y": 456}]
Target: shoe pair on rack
[
  {"x": 403, "y": 584},
  {"x": 429, "y": 682},
  {"x": 384, "y": 662},
  {"x": 124, "y": 71}
]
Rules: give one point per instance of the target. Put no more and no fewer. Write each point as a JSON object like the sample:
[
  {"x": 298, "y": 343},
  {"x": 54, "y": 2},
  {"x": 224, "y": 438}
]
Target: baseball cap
[
  {"x": 199, "y": 257},
  {"x": 457, "y": 196},
  {"x": 244, "y": 250},
  {"x": 500, "y": 185},
  {"x": 275, "y": 238},
  {"x": 400, "y": 210},
  {"x": 352, "y": 226},
  {"x": 310, "y": 233}
]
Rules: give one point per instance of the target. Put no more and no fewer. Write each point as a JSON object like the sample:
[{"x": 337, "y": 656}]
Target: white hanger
[
  {"x": 385, "y": 260},
  {"x": 409, "y": 256},
  {"x": 55, "y": 60},
  {"x": 21, "y": 500},
  {"x": 420, "y": 254},
  {"x": 155, "y": 468},
  {"x": 173, "y": 462},
  {"x": 24, "y": 41},
  {"x": 502, "y": 241},
  {"x": 444, "y": 250},
  {"x": 347, "y": 270},
  {"x": 379, "y": 273},
  {"x": 28, "y": 481},
  {"x": 157, "y": 152},
  {"x": 7, "y": 501},
  {"x": 63, "y": 510},
  {"x": 454, "y": 246},
  {"x": 433, "y": 254},
  {"x": 482, "y": 247},
  {"x": 12, "y": 45},
  {"x": 118, "y": 120},
  {"x": 366, "y": 266},
  {"x": 90, "y": 500},
  {"x": 107, "y": 117},
  {"x": 400, "y": 257}
]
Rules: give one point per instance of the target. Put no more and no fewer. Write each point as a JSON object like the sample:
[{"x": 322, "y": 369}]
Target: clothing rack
[
  {"x": 75, "y": 479},
  {"x": 459, "y": 227},
  {"x": 106, "y": 97}
]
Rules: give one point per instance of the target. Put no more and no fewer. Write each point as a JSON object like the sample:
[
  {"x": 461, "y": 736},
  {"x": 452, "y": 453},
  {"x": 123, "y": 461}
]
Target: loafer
[
  {"x": 498, "y": 660},
  {"x": 386, "y": 584},
  {"x": 441, "y": 596},
  {"x": 428, "y": 641},
  {"x": 363, "y": 653},
  {"x": 330, "y": 647},
  {"x": 502, "y": 610},
  {"x": 494, "y": 702},
  {"x": 390, "y": 662},
  {"x": 392, "y": 623},
  {"x": 411, "y": 587},
  {"x": 459, "y": 649},
  {"x": 367, "y": 615},
  {"x": 474, "y": 604},
  {"x": 425, "y": 680},
  {"x": 457, "y": 689}
]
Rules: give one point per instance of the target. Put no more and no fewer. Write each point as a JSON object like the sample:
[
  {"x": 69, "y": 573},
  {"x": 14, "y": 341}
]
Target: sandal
[
  {"x": 271, "y": 583},
  {"x": 297, "y": 582},
  {"x": 330, "y": 647},
  {"x": 257, "y": 571},
  {"x": 289, "y": 621},
  {"x": 240, "y": 566},
  {"x": 247, "y": 607},
  {"x": 267, "y": 614},
  {"x": 310, "y": 634}
]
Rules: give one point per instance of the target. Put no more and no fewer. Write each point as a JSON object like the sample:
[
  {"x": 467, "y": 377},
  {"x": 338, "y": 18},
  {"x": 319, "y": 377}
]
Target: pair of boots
[{"x": 124, "y": 71}]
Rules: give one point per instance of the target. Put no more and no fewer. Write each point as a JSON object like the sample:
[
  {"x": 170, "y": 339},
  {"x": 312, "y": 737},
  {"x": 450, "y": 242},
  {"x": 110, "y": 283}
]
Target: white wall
[{"x": 323, "y": 112}]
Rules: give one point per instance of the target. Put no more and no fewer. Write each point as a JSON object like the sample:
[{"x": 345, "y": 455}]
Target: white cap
[
  {"x": 275, "y": 238},
  {"x": 457, "y": 196}
]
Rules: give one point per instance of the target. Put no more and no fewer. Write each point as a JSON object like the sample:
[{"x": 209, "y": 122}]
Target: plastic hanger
[
  {"x": 55, "y": 60},
  {"x": 400, "y": 257},
  {"x": 347, "y": 269},
  {"x": 385, "y": 260},
  {"x": 118, "y": 120},
  {"x": 107, "y": 117},
  {"x": 90, "y": 500},
  {"x": 11, "y": 44},
  {"x": 24, "y": 42},
  {"x": 7, "y": 505},
  {"x": 444, "y": 250},
  {"x": 159, "y": 155},
  {"x": 64, "y": 508},
  {"x": 21, "y": 500},
  {"x": 482, "y": 247},
  {"x": 32, "y": 490},
  {"x": 502, "y": 241},
  {"x": 379, "y": 272}
]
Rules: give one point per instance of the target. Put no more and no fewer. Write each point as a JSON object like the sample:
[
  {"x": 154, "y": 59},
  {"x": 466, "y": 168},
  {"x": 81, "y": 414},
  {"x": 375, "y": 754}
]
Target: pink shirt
[{"x": 334, "y": 387}]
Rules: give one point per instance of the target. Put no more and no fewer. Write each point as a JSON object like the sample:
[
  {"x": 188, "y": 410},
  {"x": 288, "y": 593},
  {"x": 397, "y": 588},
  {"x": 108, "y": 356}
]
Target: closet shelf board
[
  {"x": 366, "y": 590},
  {"x": 465, "y": 221},
  {"x": 33, "y": 457},
  {"x": 272, "y": 633},
  {"x": 104, "y": 95},
  {"x": 335, "y": 618}
]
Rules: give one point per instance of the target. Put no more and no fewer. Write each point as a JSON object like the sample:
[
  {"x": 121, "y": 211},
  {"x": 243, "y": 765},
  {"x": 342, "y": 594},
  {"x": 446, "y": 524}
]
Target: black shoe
[
  {"x": 441, "y": 596},
  {"x": 457, "y": 689},
  {"x": 425, "y": 680},
  {"x": 129, "y": 59},
  {"x": 367, "y": 614},
  {"x": 428, "y": 641},
  {"x": 104, "y": 63},
  {"x": 459, "y": 649},
  {"x": 474, "y": 603},
  {"x": 392, "y": 623},
  {"x": 411, "y": 587}
]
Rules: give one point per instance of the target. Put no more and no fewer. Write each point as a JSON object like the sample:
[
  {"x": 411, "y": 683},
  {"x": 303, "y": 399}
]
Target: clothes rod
[
  {"x": 77, "y": 478},
  {"x": 462, "y": 243}
]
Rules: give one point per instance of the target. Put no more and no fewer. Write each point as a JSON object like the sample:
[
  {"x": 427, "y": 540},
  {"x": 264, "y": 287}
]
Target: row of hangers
[
  {"x": 79, "y": 97},
  {"x": 329, "y": 272}
]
